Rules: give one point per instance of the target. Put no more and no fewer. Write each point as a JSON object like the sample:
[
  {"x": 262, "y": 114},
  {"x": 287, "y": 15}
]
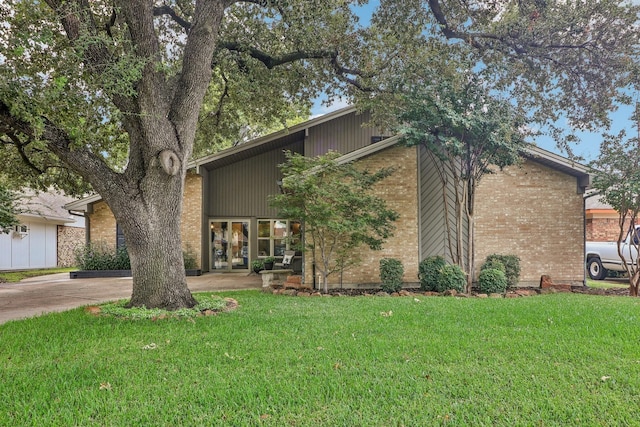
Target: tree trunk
[
  {"x": 157, "y": 265},
  {"x": 150, "y": 215}
]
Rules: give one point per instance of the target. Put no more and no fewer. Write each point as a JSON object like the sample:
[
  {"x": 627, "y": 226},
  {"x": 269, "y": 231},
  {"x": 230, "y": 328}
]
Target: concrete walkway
[{"x": 56, "y": 292}]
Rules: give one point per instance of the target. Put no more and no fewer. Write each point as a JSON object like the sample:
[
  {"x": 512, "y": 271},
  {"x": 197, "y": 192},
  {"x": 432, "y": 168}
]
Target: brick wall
[
  {"x": 400, "y": 191},
  {"x": 191, "y": 222},
  {"x": 102, "y": 224},
  {"x": 533, "y": 212},
  {"x": 602, "y": 229},
  {"x": 69, "y": 238}
]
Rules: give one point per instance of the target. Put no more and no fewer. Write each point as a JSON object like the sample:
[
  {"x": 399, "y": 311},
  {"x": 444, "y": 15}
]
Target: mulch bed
[{"x": 511, "y": 293}]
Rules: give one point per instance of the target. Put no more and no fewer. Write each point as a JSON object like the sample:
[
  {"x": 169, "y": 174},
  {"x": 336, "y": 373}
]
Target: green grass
[
  {"x": 550, "y": 360},
  {"x": 608, "y": 284},
  {"x": 16, "y": 276}
]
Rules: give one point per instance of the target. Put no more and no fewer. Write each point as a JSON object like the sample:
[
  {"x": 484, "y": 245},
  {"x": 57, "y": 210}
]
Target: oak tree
[{"x": 109, "y": 94}]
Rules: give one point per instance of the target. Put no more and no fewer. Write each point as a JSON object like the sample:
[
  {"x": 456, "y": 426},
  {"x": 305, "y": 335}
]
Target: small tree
[
  {"x": 466, "y": 132},
  {"x": 617, "y": 178},
  {"x": 335, "y": 205},
  {"x": 8, "y": 212}
]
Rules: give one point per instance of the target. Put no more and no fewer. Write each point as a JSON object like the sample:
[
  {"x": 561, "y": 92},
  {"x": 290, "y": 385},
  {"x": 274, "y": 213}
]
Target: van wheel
[{"x": 595, "y": 269}]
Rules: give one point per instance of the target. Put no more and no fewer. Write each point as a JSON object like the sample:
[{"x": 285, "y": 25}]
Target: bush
[
  {"x": 492, "y": 281},
  {"x": 190, "y": 259},
  {"x": 451, "y": 277},
  {"x": 428, "y": 272},
  {"x": 493, "y": 264},
  {"x": 391, "y": 272},
  {"x": 99, "y": 256},
  {"x": 511, "y": 265}
]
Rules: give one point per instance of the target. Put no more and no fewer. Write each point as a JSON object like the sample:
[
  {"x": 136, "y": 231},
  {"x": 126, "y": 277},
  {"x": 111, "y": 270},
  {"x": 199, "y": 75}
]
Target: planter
[
  {"x": 268, "y": 266},
  {"x": 94, "y": 274}
]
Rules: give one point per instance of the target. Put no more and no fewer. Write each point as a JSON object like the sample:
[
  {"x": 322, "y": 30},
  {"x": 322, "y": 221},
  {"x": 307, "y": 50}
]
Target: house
[
  {"x": 602, "y": 221},
  {"x": 533, "y": 210},
  {"x": 46, "y": 236}
]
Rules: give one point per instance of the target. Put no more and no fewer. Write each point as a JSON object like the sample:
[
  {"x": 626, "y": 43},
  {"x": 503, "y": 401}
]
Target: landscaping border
[{"x": 95, "y": 274}]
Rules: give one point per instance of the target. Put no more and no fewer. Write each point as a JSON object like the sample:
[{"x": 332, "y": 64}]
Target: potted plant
[
  {"x": 268, "y": 262},
  {"x": 257, "y": 265}
]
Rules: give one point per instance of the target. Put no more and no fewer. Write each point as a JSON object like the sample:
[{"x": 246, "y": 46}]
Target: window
[
  {"x": 277, "y": 235},
  {"x": 21, "y": 229},
  {"x": 120, "y": 244}
]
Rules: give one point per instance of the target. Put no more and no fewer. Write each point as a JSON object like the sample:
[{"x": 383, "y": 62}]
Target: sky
[{"x": 587, "y": 148}]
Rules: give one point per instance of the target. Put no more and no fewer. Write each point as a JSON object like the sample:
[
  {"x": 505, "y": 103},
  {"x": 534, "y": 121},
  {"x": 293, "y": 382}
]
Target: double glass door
[{"x": 229, "y": 244}]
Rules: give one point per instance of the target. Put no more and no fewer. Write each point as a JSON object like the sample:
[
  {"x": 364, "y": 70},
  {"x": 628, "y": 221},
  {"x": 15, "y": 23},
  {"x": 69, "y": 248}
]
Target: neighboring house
[
  {"x": 47, "y": 235},
  {"x": 602, "y": 221},
  {"x": 534, "y": 210}
]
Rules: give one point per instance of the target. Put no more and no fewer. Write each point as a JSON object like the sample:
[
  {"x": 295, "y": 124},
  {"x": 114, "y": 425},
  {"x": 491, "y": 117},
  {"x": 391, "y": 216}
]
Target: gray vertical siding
[
  {"x": 343, "y": 134},
  {"x": 433, "y": 232},
  {"x": 204, "y": 256},
  {"x": 241, "y": 189}
]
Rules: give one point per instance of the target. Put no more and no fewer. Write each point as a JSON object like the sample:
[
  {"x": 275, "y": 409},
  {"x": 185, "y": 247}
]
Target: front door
[{"x": 229, "y": 244}]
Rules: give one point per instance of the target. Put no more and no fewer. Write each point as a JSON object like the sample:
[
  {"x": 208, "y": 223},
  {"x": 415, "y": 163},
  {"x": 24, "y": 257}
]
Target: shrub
[
  {"x": 492, "y": 280},
  {"x": 428, "y": 272},
  {"x": 99, "y": 256},
  {"x": 190, "y": 259},
  {"x": 391, "y": 272},
  {"x": 511, "y": 267},
  {"x": 451, "y": 277},
  {"x": 493, "y": 264}
]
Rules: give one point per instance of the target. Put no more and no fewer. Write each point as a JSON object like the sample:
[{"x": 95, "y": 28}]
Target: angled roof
[
  {"x": 46, "y": 206},
  {"x": 267, "y": 142},
  {"x": 294, "y": 133}
]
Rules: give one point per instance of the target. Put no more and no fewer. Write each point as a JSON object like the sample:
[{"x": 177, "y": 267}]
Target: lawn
[
  {"x": 16, "y": 276},
  {"x": 550, "y": 360}
]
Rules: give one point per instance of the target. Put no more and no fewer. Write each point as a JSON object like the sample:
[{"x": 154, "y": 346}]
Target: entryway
[{"x": 229, "y": 244}]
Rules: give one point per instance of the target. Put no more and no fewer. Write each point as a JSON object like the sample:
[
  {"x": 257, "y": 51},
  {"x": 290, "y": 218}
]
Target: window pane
[
  {"x": 263, "y": 247},
  {"x": 264, "y": 228},
  {"x": 296, "y": 236},
  {"x": 279, "y": 247},
  {"x": 279, "y": 229}
]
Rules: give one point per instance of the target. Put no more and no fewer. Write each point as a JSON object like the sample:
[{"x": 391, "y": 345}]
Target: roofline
[
  {"x": 57, "y": 219},
  {"x": 82, "y": 204},
  {"x": 369, "y": 149},
  {"x": 272, "y": 136},
  {"x": 534, "y": 150}
]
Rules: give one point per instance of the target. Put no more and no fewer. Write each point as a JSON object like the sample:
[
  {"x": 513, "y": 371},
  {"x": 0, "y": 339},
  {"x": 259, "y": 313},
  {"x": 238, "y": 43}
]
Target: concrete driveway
[{"x": 56, "y": 292}]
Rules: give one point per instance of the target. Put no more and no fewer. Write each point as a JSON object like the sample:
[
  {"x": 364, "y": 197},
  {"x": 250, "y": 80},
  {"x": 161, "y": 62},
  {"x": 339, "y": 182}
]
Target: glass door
[{"x": 229, "y": 244}]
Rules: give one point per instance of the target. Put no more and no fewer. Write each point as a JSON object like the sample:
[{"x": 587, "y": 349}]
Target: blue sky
[{"x": 588, "y": 147}]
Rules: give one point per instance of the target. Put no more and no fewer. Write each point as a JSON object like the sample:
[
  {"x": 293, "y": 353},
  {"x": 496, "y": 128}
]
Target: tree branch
[
  {"x": 271, "y": 61},
  {"x": 473, "y": 38},
  {"x": 81, "y": 160},
  {"x": 167, "y": 10}
]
